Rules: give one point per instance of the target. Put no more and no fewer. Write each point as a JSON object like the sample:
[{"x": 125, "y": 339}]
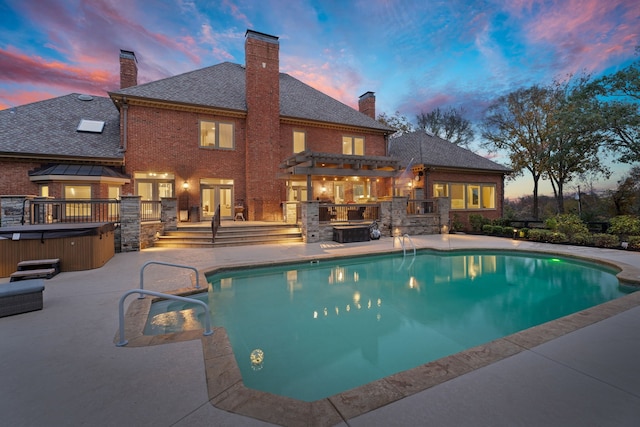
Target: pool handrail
[
  {"x": 401, "y": 239},
  {"x": 169, "y": 265},
  {"x": 123, "y": 342}
]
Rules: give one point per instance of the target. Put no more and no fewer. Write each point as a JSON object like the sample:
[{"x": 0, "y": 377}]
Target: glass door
[{"x": 214, "y": 195}]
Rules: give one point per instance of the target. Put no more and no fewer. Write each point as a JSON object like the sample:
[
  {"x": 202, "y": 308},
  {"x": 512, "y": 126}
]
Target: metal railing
[
  {"x": 401, "y": 239},
  {"x": 150, "y": 210},
  {"x": 146, "y": 264},
  {"x": 74, "y": 211},
  {"x": 329, "y": 212},
  {"x": 420, "y": 207},
  {"x": 207, "y": 316},
  {"x": 215, "y": 223}
]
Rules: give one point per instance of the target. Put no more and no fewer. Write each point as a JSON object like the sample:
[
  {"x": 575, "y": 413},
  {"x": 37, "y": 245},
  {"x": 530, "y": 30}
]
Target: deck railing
[
  {"x": 150, "y": 210},
  {"x": 420, "y": 207},
  {"x": 330, "y": 212},
  {"x": 74, "y": 211}
]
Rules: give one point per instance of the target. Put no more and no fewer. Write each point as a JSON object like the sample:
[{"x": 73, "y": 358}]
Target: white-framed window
[
  {"x": 217, "y": 135},
  {"x": 114, "y": 192},
  {"x": 353, "y": 145},
  {"x": 154, "y": 186},
  {"x": 299, "y": 141},
  {"x": 467, "y": 196},
  {"x": 44, "y": 191}
]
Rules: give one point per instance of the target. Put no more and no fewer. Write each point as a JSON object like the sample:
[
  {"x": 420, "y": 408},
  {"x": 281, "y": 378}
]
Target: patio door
[{"x": 214, "y": 195}]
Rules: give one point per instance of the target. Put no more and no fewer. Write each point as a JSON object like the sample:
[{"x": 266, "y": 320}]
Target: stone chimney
[
  {"x": 263, "y": 125},
  {"x": 367, "y": 104},
  {"x": 128, "y": 69}
]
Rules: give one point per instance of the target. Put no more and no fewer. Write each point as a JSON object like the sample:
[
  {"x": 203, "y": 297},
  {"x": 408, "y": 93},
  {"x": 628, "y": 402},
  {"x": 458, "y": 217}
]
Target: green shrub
[
  {"x": 634, "y": 242},
  {"x": 557, "y": 237},
  {"x": 551, "y": 224},
  {"x": 603, "y": 240},
  {"x": 625, "y": 225},
  {"x": 497, "y": 229},
  {"x": 457, "y": 224},
  {"x": 583, "y": 239},
  {"x": 487, "y": 229},
  {"x": 539, "y": 235},
  {"x": 477, "y": 222},
  {"x": 507, "y": 231},
  {"x": 500, "y": 221},
  {"x": 570, "y": 224}
]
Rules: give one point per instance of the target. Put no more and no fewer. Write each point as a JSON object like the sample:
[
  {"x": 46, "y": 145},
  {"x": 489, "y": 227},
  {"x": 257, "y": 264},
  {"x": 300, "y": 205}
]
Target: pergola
[{"x": 311, "y": 165}]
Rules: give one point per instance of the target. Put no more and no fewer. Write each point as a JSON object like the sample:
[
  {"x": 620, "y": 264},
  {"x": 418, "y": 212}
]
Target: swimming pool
[{"x": 324, "y": 328}]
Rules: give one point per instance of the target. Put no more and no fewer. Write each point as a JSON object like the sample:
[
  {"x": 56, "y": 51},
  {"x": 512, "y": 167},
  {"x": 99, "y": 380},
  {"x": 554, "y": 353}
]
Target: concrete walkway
[{"x": 59, "y": 366}]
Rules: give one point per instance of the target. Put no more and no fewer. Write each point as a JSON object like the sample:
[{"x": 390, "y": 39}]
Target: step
[
  {"x": 39, "y": 264},
  {"x": 45, "y": 273},
  {"x": 225, "y": 243}
]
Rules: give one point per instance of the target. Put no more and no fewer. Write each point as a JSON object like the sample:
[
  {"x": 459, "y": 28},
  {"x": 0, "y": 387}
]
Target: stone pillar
[
  {"x": 399, "y": 221},
  {"x": 13, "y": 209},
  {"x": 169, "y": 213},
  {"x": 130, "y": 223},
  {"x": 444, "y": 205},
  {"x": 310, "y": 221}
]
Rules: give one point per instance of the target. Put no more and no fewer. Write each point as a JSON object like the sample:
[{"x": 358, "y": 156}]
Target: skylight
[{"x": 93, "y": 126}]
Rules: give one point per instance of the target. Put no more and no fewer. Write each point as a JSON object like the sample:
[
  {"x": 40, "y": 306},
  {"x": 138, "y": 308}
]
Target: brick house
[
  {"x": 438, "y": 168},
  {"x": 231, "y": 135},
  {"x": 249, "y": 135}
]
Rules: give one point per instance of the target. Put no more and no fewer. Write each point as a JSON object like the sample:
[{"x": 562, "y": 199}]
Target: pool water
[{"x": 312, "y": 330}]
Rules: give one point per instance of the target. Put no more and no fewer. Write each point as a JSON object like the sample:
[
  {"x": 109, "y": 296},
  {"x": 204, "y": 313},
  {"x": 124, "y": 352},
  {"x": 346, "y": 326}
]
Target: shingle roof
[
  {"x": 223, "y": 86},
  {"x": 434, "y": 151},
  {"x": 49, "y": 128}
]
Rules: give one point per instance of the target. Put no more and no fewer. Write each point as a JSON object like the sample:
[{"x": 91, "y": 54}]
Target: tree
[
  {"x": 519, "y": 123},
  {"x": 626, "y": 197},
  {"x": 620, "y": 109},
  {"x": 449, "y": 124},
  {"x": 576, "y": 136},
  {"x": 398, "y": 122}
]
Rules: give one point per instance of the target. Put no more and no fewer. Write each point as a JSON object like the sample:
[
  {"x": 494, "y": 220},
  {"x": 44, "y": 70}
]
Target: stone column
[
  {"x": 130, "y": 223},
  {"x": 399, "y": 220},
  {"x": 444, "y": 205},
  {"x": 310, "y": 224},
  {"x": 169, "y": 213},
  {"x": 16, "y": 210}
]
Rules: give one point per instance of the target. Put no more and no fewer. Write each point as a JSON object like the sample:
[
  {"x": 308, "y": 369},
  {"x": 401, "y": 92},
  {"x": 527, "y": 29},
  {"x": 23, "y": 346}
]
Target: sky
[{"x": 415, "y": 55}]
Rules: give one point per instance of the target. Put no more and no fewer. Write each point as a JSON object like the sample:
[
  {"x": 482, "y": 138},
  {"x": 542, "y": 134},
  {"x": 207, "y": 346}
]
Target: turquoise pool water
[{"x": 309, "y": 331}]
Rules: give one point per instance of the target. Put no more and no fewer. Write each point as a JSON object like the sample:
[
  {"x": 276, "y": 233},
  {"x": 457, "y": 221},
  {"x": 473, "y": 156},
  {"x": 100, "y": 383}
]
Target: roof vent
[
  {"x": 93, "y": 126},
  {"x": 85, "y": 97}
]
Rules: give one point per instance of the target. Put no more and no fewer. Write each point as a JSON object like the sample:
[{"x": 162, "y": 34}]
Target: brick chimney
[
  {"x": 367, "y": 104},
  {"x": 128, "y": 69},
  {"x": 263, "y": 125}
]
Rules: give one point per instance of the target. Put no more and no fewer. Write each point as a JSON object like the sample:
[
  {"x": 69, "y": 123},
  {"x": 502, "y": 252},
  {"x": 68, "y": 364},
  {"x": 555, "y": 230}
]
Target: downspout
[{"x": 125, "y": 109}]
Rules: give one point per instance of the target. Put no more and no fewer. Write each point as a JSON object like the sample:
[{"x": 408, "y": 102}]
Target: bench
[
  {"x": 351, "y": 233},
  {"x": 21, "y": 297}
]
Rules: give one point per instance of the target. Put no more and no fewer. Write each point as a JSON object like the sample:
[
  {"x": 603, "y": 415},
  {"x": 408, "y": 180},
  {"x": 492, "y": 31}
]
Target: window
[
  {"x": 299, "y": 141},
  {"x": 488, "y": 197},
  {"x": 353, "y": 145},
  {"x": 114, "y": 192},
  {"x": 457, "y": 196},
  {"x": 44, "y": 191},
  {"x": 91, "y": 126},
  {"x": 473, "y": 197},
  {"x": 77, "y": 192},
  {"x": 216, "y": 135},
  {"x": 467, "y": 196},
  {"x": 154, "y": 186}
]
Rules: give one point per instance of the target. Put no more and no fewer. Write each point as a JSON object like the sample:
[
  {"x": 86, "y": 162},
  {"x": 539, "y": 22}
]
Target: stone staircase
[{"x": 230, "y": 234}]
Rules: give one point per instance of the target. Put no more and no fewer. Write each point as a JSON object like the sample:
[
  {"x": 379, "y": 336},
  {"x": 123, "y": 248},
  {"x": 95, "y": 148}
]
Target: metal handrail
[
  {"x": 169, "y": 265},
  {"x": 401, "y": 239},
  {"x": 123, "y": 342}
]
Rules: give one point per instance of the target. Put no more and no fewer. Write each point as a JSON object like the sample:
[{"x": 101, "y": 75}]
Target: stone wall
[
  {"x": 309, "y": 221},
  {"x": 130, "y": 227},
  {"x": 12, "y": 210},
  {"x": 149, "y": 232}
]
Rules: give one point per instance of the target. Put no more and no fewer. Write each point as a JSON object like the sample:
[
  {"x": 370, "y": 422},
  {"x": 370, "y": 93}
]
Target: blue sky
[{"x": 415, "y": 55}]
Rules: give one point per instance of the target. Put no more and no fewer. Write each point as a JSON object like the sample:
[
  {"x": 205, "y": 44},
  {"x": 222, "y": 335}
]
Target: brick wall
[{"x": 15, "y": 177}]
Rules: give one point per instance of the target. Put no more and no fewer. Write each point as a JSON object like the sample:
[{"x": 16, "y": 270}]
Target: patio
[{"x": 60, "y": 365}]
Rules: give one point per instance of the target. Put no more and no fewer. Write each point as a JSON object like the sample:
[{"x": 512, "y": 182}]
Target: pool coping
[{"x": 226, "y": 390}]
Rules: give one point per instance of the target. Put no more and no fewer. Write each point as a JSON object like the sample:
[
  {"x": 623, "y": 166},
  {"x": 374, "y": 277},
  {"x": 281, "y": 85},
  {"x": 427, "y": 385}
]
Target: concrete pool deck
[{"x": 59, "y": 366}]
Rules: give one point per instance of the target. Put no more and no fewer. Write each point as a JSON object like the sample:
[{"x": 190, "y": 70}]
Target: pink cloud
[{"x": 585, "y": 33}]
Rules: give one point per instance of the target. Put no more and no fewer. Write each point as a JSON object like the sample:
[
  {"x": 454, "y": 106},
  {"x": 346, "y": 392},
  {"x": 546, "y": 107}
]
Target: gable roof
[
  {"x": 48, "y": 129},
  {"x": 224, "y": 86},
  {"x": 433, "y": 151}
]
